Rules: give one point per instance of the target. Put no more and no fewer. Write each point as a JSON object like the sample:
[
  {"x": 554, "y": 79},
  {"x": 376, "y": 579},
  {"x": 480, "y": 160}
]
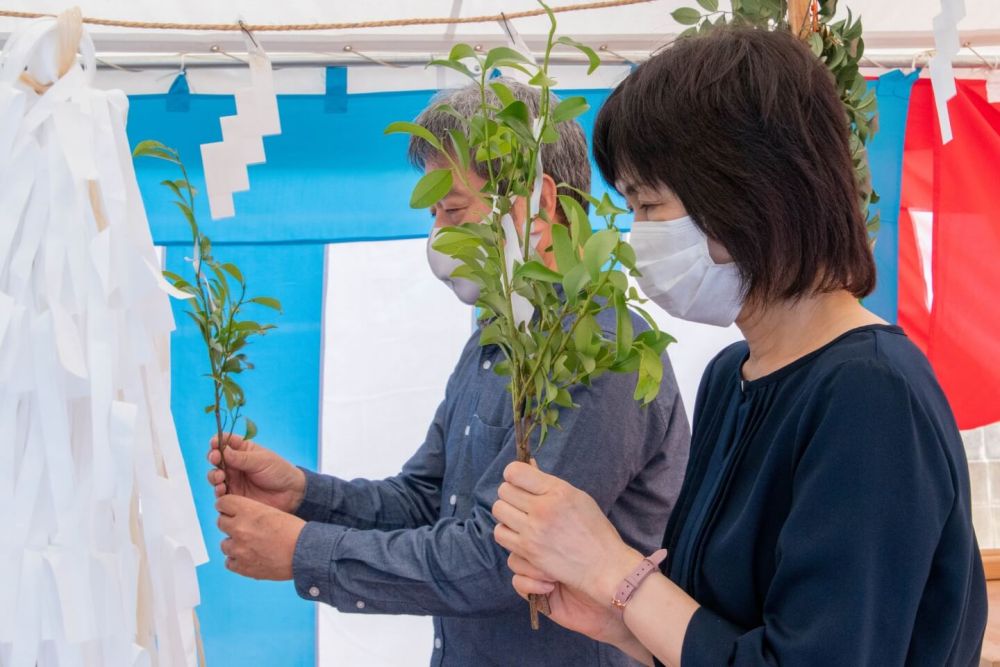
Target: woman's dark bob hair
[{"x": 746, "y": 127}]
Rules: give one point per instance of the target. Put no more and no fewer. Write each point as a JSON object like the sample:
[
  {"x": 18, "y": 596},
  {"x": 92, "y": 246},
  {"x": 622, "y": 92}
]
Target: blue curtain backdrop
[{"x": 330, "y": 177}]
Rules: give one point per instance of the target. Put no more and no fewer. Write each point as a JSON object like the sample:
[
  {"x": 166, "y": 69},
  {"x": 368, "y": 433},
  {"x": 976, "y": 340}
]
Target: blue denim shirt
[{"x": 421, "y": 542}]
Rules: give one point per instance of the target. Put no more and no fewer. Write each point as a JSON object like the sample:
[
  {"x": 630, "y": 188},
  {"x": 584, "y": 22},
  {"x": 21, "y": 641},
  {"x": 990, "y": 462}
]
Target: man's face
[{"x": 464, "y": 204}]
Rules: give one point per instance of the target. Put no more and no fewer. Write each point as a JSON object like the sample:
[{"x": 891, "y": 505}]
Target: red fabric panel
[
  {"x": 964, "y": 342},
  {"x": 960, "y": 183},
  {"x": 917, "y": 192}
]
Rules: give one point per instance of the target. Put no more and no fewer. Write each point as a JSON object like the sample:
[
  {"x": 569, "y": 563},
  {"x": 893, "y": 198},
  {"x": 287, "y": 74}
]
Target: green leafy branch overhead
[{"x": 839, "y": 44}]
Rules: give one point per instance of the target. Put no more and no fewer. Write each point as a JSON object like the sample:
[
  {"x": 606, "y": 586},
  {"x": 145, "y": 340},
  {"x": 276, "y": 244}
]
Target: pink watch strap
[{"x": 630, "y": 583}]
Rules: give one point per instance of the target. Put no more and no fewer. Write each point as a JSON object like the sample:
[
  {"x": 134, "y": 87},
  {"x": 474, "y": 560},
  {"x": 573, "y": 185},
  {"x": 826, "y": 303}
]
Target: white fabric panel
[{"x": 392, "y": 334}]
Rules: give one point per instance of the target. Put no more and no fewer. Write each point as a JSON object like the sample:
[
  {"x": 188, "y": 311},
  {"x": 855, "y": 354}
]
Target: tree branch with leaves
[
  {"x": 562, "y": 345},
  {"x": 218, "y": 296}
]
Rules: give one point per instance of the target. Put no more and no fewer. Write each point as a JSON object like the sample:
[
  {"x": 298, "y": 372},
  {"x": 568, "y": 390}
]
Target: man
[{"x": 421, "y": 542}]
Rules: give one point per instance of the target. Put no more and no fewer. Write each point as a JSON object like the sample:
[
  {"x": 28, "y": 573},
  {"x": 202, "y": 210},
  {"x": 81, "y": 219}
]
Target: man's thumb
[{"x": 245, "y": 460}]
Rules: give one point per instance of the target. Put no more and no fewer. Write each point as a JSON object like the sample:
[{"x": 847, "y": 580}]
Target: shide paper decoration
[
  {"x": 225, "y": 162},
  {"x": 946, "y": 46},
  {"x": 98, "y": 533}
]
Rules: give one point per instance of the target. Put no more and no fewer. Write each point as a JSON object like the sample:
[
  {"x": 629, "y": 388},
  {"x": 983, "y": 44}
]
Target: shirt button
[
  {"x": 360, "y": 604},
  {"x": 487, "y": 364},
  {"x": 467, "y": 429},
  {"x": 453, "y": 499},
  {"x": 314, "y": 592},
  {"x": 437, "y": 642}
]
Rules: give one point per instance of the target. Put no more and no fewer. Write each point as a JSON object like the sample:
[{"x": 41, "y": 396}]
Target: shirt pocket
[{"x": 479, "y": 451}]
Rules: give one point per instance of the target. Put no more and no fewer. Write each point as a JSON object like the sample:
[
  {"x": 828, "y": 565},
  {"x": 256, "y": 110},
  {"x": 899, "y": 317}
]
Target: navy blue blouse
[{"x": 825, "y": 517}]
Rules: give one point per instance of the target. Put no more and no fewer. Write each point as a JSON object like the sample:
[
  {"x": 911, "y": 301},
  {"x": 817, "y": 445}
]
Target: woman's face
[{"x": 661, "y": 204}]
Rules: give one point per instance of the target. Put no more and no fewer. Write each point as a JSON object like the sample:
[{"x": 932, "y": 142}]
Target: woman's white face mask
[{"x": 679, "y": 274}]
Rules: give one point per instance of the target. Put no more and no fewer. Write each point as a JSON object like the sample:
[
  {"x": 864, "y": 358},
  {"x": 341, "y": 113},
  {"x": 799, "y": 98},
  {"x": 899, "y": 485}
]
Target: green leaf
[
  {"x": 155, "y": 149},
  {"x": 569, "y": 108},
  {"x": 562, "y": 246},
  {"x": 248, "y": 325},
  {"x": 606, "y": 207},
  {"x": 503, "y": 92},
  {"x": 267, "y": 301},
  {"x": 462, "y": 51},
  {"x": 457, "y": 66},
  {"x": 460, "y": 147},
  {"x": 710, "y": 5},
  {"x": 623, "y": 328},
  {"x": 686, "y": 15},
  {"x": 251, "y": 429},
  {"x": 626, "y": 255},
  {"x": 579, "y": 223},
  {"x": 564, "y": 399},
  {"x": 431, "y": 188},
  {"x": 593, "y": 59},
  {"x": 173, "y": 187},
  {"x": 541, "y": 79},
  {"x": 232, "y": 270},
  {"x": 535, "y": 270},
  {"x": 406, "y": 127},
  {"x": 815, "y": 43},
  {"x": 583, "y": 333},
  {"x": 575, "y": 280},
  {"x": 503, "y": 55},
  {"x": 517, "y": 116},
  {"x": 598, "y": 249},
  {"x": 188, "y": 215},
  {"x": 173, "y": 277}
]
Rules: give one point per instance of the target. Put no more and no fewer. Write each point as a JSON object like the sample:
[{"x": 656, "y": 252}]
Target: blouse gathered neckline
[{"x": 787, "y": 369}]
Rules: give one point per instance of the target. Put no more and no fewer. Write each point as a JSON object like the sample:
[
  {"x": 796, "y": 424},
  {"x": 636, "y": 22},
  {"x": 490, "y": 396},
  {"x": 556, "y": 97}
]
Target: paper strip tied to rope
[
  {"x": 99, "y": 533},
  {"x": 225, "y": 162}
]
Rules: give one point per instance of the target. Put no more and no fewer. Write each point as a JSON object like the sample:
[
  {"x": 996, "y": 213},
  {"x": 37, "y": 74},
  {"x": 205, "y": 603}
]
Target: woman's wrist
[{"x": 622, "y": 563}]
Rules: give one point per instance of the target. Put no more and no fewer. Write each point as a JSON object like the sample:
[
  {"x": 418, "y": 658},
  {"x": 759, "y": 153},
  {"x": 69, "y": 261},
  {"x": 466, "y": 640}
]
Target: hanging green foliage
[{"x": 839, "y": 44}]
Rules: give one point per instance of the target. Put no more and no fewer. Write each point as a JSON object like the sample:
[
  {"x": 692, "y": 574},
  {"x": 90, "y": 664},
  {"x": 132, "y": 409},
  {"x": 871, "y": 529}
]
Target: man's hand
[
  {"x": 261, "y": 539},
  {"x": 257, "y": 473}
]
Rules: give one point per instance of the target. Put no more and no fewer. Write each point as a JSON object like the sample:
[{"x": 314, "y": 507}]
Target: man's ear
[{"x": 549, "y": 201}]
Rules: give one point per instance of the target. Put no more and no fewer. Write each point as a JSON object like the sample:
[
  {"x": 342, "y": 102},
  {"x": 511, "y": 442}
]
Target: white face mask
[
  {"x": 680, "y": 276},
  {"x": 442, "y": 266}
]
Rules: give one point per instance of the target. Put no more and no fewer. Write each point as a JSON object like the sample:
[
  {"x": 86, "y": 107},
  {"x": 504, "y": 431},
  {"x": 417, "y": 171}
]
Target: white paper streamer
[
  {"x": 993, "y": 86},
  {"x": 225, "y": 162},
  {"x": 946, "y": 47},
  {"x": 98, "y": 533}
]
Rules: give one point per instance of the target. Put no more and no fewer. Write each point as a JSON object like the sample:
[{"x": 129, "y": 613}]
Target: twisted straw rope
[{"x": 293, "y": 27}]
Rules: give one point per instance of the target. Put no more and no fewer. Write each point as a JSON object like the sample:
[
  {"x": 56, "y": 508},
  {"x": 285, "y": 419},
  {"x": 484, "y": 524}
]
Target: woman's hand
[
  {"x": 571, "y": 608},
  {"x": 562, "y": 533}
]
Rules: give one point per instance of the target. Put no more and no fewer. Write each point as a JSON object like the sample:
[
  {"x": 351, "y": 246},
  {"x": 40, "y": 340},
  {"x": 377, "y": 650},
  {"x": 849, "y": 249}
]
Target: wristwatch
[{"x": 630, "y": 583}]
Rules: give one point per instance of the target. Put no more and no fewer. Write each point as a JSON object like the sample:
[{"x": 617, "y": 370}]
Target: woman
[{"x": 825, "y": 517}]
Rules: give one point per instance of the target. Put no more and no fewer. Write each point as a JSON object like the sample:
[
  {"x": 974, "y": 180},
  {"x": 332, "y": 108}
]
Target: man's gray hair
[{"x": 566, "y": 160}]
